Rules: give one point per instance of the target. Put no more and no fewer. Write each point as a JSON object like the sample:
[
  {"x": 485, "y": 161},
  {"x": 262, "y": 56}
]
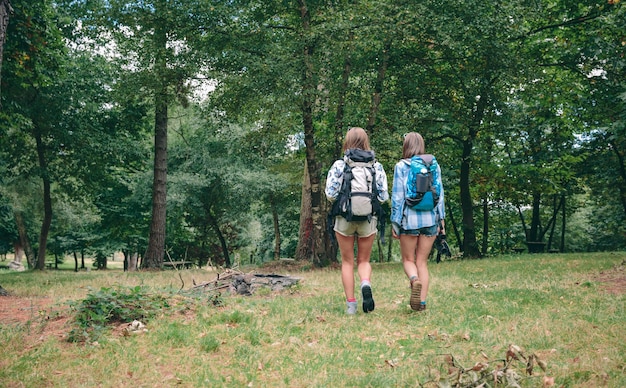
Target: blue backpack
[{"x": 422, "y": 187}]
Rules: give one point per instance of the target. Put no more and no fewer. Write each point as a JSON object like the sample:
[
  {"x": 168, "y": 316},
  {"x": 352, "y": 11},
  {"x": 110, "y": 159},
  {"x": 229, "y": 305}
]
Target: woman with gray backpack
[
  {"x": 356, "y": 185},
  {"x": 417, "y": 213}
]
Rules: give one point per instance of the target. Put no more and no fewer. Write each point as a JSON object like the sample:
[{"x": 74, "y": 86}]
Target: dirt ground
[{"x": 49, "y": 319}]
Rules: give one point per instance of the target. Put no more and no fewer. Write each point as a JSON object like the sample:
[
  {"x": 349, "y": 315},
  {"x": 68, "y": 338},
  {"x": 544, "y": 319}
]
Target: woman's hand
[{"x": 394, "y": 234}]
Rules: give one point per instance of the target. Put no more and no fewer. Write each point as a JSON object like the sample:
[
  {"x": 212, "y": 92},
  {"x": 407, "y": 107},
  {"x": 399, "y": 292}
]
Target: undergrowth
[{"x": 108, "y": 306}]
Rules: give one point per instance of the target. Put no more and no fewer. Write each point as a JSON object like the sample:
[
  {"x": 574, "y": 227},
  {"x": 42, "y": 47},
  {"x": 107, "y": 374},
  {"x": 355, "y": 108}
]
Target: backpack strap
[
  {"x": 346, "y": 188},
  {"x": 377, "y": 208}
]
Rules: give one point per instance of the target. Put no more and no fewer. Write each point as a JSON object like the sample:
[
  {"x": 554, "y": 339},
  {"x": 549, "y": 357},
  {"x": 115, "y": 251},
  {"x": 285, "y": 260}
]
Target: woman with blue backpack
[
  {"x": 417, "y": 213},
  {"x": 356, "y": 185}
]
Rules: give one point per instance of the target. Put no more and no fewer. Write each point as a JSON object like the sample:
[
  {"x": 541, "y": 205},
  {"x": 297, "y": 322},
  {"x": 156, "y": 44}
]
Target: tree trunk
[
  {"x": 220, "y": 236},
  {"x": 23, "y": 238},
  {"x": 153, "y": 258},
  {"x": 156, "y": 243},
  {"x": 523, "y": 221},
  {"x": 470, "y": 246},
  {"x": 47, "y": 203},
  {"x": 450, "y": 221},
  {"x": 319, "y": 255},
  {"x": 132, "y": 261},
  {"x": 377, "y": 95},
  {"x": 343, "y": 89},
  {"x": 19, "y": 252},
  {"x": 276, "y": 229},
  {"x": 485, "y": 243},
  {"x": 552, "y": 224},
  {"x": 535, "y": 223},
  {"x": 563, "y": 199},
  {"x": 305, "y": 247},
  {"x": 621, "y": 185}
]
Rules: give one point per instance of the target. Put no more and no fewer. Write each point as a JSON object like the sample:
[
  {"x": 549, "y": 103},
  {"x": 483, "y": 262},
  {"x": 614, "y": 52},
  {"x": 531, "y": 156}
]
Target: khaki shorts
[{"x": 358, "y": 228}]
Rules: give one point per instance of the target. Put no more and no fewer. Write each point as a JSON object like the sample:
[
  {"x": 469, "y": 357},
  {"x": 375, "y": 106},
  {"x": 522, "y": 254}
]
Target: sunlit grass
[{"x": 550, "y": 305}]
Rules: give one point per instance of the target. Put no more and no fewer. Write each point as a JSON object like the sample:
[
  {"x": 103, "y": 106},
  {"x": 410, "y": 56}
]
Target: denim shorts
[
  {"x": 428, "y": 231},
  {"x": 355, "y": 228}
]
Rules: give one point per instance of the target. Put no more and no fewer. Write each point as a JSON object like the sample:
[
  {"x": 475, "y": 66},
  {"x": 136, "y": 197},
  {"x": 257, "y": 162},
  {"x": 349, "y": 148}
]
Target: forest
[{"x": 202, "y": 130}]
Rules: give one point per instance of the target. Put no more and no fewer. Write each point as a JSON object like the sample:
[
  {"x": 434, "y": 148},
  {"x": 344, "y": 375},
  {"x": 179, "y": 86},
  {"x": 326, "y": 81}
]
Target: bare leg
[
  {"x": 346, "y": 248},
  {"x": 364, "y": 245},
  {"x": 408, "y": 246},
  {"x": 364, "y": 249},
  {"x": 424, "y": 246}
]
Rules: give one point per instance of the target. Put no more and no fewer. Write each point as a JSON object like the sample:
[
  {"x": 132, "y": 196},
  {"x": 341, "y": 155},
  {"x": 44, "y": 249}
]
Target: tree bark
[
  {"x": 156, "y": 243},
  {"x": 47, "y": 203},
  {"x": 339, "y": 114},
  {"x": 23, "y": 238},
  {"x": 18, "y": 250},
  {"x": 319, "y": 255},
  {"x": 563, "y": 212},
  {"x": 153, "y": 258},
  {"x": 377, "y": 95},
  {"x": 276, "y": 229},
  {"x": 132, "y": 262},
  {"x": 470, "y": 246},
  {"x": 535, "y": 223},
  {"x": 621, "y": 185},
  {"x": 485, "y": 243},
  {"x": 305, "y": 237},
  {"x": 220, "y": 236},
  {"x": 451, "y": 221}
]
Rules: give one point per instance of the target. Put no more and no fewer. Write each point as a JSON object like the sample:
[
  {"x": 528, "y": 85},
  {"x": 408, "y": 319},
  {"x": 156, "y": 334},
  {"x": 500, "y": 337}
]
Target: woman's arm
[{"x": 334, "y": 179}]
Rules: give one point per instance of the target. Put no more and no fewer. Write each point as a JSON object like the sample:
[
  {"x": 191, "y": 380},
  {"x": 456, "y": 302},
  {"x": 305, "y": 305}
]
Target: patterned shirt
[
  {"x": 335, "y": 179},
  {"x": 405, "y": 217}
]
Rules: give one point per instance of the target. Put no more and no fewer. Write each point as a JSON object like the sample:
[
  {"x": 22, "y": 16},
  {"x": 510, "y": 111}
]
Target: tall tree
[
  {"x": 159, "y": 41},
  {"x": 35, "y": 60}
]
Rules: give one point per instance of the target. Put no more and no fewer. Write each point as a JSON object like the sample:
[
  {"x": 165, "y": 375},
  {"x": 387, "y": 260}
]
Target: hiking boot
[
  {"x": 415, "y": 300},
  {"x": 368, "y": 300}
]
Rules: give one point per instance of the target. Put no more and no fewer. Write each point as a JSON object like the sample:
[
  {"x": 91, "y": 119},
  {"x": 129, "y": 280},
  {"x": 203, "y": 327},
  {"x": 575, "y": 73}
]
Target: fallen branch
[{"x": 241, "y": 283}]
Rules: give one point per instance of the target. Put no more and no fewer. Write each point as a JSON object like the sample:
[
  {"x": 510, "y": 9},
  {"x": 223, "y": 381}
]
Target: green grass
[{"x": 553, "y": 306}]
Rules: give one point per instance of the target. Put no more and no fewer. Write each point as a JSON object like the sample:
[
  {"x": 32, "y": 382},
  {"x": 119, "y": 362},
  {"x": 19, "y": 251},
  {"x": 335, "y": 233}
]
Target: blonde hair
[
  {"x": 356, "y": 138},
  {"x": 413, "y": 145}
]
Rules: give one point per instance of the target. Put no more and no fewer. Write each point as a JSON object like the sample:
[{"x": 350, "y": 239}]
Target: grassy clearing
[{"x": 554, "y": 306}]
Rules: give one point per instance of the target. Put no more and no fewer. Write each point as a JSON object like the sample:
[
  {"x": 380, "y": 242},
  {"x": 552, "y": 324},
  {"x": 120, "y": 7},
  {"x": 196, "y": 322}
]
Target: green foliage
[
  {"x": 515, "y": 100},
  {"x": 109, "y": 306}
]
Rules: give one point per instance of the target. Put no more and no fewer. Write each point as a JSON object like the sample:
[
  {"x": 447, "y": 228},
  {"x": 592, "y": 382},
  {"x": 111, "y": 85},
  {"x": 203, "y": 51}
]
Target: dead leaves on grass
[{"x": 507, "y": 372}]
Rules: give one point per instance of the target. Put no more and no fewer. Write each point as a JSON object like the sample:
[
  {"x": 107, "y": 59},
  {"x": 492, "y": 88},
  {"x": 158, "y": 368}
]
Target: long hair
[
  {"x": 356, "y": 138},
  {"x": 413, "y": 145}
]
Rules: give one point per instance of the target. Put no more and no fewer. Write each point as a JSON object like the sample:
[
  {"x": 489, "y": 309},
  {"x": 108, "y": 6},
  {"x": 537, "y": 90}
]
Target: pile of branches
[{"x": 237, "y": 282}]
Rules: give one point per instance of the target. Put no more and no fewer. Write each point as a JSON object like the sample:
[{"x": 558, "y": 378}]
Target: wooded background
[{"x": 203, "y": 130}]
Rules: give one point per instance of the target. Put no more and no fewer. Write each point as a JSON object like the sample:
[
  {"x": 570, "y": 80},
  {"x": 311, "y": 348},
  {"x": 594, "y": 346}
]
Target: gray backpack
[{"x": 358, "y": 198}]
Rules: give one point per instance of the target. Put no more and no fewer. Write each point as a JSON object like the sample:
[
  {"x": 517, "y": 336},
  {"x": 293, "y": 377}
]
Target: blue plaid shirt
[{"x": 405, "y": 217}]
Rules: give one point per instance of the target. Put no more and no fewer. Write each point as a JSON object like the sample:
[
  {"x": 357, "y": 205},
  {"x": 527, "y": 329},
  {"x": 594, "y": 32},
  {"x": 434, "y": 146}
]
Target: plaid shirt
[
  {"x": 405, "y": 217},
  {"x": 335, "y": 179}
]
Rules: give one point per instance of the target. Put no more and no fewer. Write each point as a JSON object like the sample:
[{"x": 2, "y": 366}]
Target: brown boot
[{"x": 415, "y": 300}]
